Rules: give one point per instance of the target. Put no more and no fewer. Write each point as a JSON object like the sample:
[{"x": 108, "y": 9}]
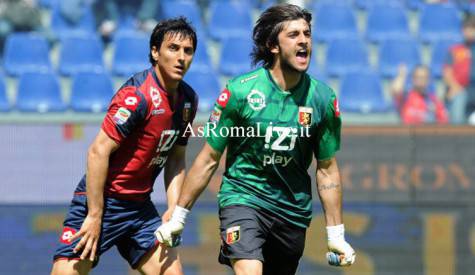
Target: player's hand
[
  {"x": 169, "y": 232},
  {"x": 337, "y": 244},
  {"x": 167, "y": 215},
  {"x": 89, "y": 233}
]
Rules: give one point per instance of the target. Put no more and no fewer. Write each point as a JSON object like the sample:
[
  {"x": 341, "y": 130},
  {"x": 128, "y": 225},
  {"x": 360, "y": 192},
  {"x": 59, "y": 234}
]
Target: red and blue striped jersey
[{"x": 142, "y": 121}]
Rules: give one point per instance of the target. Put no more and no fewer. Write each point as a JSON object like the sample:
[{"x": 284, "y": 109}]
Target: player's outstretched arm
[
  {"x": 199, "y": 176},
  {"x": 97, "y": 167},
  {"x": 174, "y": 175},
  {"x": 196, "y": 181},
  {"x": 330, "y": 193}
]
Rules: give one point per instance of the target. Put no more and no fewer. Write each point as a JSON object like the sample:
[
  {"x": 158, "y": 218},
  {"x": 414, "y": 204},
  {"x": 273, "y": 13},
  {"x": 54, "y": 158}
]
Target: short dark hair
[
  {"x": 175, "y": 26},
  {"x": 268, "y": 27},
  {"x": 469, "y": 21}
]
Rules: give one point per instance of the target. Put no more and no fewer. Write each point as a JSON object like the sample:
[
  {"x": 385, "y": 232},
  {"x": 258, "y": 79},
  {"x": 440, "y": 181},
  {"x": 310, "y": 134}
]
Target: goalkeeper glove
[
  {"x": 341, "y": 253},
  {"x": 169, "y": 233}
]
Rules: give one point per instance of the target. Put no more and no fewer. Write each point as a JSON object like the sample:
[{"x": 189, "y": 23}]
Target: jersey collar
[{"x": 283, "y": 92}]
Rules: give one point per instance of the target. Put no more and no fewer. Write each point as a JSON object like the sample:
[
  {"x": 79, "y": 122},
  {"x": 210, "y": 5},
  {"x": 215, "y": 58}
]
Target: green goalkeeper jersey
[{"x": 271, "y": 135}]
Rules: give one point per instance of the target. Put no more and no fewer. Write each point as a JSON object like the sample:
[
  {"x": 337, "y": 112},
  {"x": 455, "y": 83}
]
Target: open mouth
[
  {"x": 302, "y": 55},
  {"x": 180, "y": 68}
]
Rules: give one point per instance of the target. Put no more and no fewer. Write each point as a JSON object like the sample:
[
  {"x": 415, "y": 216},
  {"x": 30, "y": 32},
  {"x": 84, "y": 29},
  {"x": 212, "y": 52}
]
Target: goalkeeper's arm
[
  {"x": 330, "y": 193},
  {"x": 196, "y": 181}
]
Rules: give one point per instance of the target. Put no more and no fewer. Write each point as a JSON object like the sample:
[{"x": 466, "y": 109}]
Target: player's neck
[
  {"x": 286, "y": 79},
  {"x": 169, "y": 85}
]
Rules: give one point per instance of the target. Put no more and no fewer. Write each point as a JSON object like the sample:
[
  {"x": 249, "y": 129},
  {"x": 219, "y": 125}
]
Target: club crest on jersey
[
  {"x": 233, "y": 234},
  {"x": 223, "y": 98},
  {"x": 305, "y": 116},
  {"x": 336, "y": 105},
  {"x": 215, "y": 116},
  {"x": 155, "y": 96},
  {"x": 121, "y": 116},
  {"x": 256, "y": 100},
  {"x": 186, "y": 111},
  {"x": 67, "y": 233}
]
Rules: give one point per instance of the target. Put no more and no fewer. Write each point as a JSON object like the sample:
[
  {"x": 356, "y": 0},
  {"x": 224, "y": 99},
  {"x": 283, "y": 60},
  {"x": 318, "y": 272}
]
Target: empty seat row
[
  {"x": 386, "y": 21},
  {"x": 90, "y": 92},
  {"x": 360, "y": 92},
  {"x": 333, "y": 19},
  {"x": 40, "y": 92},
  {"x": 29, "y": 52}
]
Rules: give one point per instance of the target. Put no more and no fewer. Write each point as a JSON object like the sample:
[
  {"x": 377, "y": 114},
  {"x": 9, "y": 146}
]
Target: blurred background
[{"x": 402, "y": 70}]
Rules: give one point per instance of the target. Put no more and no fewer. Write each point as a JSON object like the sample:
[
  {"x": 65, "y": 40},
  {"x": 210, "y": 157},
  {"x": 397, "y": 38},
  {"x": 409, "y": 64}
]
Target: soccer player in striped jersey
[{"x": 141, "y": 135}]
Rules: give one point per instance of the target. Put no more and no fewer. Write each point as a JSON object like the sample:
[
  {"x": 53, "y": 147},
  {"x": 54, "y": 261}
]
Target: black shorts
[{"x": 249, "y": 233}]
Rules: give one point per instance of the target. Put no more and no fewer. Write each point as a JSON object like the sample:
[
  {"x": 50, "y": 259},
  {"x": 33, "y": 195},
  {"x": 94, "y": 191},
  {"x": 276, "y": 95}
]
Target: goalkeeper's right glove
[
  {"x": 341, "y": 253},
  {"x": 169, "y": 233}
]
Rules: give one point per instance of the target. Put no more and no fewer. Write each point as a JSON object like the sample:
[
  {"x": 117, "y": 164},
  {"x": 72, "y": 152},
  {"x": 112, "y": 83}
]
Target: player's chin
[
  {"x": 301, "y": 68},
  {"x": 178, "y": 76}
]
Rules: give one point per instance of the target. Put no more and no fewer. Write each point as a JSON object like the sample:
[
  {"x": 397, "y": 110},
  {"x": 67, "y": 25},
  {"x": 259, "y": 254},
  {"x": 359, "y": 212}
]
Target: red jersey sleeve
[{"x": 127, "y": 109}]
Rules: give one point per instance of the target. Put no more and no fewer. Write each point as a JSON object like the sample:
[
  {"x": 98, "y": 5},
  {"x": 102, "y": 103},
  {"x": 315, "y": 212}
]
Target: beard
[{"x": 286, "y": 66}]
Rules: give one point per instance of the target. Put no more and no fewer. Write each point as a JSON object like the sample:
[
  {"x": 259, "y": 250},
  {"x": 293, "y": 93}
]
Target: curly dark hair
[
  {"x": 175, "y": 26},
  {"x": 268, "y": 27}
]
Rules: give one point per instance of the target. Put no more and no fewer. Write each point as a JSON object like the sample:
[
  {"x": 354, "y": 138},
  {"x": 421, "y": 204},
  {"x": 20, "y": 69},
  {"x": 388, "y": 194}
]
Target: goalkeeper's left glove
[
  {"x": 169, "y": 233},
  {"x": 337, "y": 244}
]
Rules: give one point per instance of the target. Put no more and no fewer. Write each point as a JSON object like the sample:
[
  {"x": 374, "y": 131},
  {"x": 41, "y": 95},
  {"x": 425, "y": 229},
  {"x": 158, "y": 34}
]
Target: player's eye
[
  {"x": 293, "y": 34},
  {"x": 189, "y": 51}
]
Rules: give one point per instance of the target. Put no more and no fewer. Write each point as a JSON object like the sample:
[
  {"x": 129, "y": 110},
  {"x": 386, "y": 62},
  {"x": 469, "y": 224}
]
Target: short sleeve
[
  {"x": 127, "y": 109},
  {"x": 329, "y": 132},
  {"x": 222, "y": 118},
  {"x": 189, "y": 114}
]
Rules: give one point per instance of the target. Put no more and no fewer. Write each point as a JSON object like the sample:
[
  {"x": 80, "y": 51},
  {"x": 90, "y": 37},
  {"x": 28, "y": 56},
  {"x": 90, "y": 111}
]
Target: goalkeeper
[{"x": 265, "y": 196}]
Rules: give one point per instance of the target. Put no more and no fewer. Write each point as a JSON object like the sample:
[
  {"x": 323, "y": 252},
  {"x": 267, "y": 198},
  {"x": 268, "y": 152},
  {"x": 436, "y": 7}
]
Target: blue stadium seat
[
  {"x": 440, "y": 51},
  {"x": 229, "y": 18},
  {"x": 26, "y": 52},
  {"x": 187, "y": 8},
  {"x": 62, "y": 27},
  {"x": 201, "y": 59},
  {"x": 39, "y": 92},
  {"x": 439, "y": 22},
  {"x": 48, "y": 3},
  {"x": 368, "y": 4},
  {"x": 394, "y": 52},
  {"x": 126, "y": 23},
  {"x": 91, "y": 92},
  {"x": 346, "y": 55},
  {"x": 81, "y": 53},
  {"x": 362, "y": 93},
  {"x": 467, "y": 7},
  {"x": 334, "y": 21},
  {"x": 319, "y": 3},
  {"x": 4, "y": 105},
  {"x": 386, "y": 22},
  {"x": 315, "y": 71},
  {"x": 235, "y": 56},
  {"x": 131, "y": 53},
  {"x": 414, "y": 4},
  {"x": 206, "y": 85}
]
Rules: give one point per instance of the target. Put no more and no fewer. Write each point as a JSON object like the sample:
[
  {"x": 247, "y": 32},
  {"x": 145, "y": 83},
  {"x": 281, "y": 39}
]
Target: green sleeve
[
  {"x": 329, "y": 132},
  {"x": 222, "y": 118}
]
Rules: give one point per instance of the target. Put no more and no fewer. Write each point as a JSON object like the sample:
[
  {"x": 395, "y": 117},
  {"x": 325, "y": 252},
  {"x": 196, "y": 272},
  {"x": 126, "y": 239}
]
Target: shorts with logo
[
  {"x": 249, "y": 233},
  {"x": 129, "y": 225}
]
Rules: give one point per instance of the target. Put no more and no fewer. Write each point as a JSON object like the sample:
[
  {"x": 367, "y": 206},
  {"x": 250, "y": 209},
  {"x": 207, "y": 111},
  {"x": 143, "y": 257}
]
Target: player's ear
[
  {"x": 274, "y": 49},
  {"x": 154, "y": 52}
]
